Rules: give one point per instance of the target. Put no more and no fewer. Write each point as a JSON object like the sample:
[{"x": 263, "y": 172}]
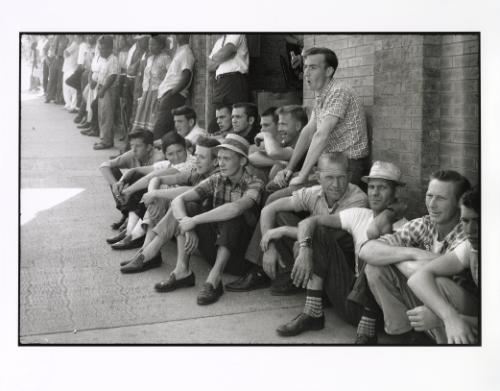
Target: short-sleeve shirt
[
  {"x": 128, "y": 160},
  {"x": 350, "y": 134},
  {"x": 83, "y": 53},
  {"x": 192, "y": 178},
  {"x": 469, "y": 258},
  {"x": 422, "y": 233},
  {"x": 241, "y": 60},
  {"x": 356, "y": 221},
  {"x": 155, "y": 71},
  {"x": 107, "y": 67},
  {"x": 313, "y": 200},
  {"x": 183, "y": 59},
  {"x": 224, "y": 191}
]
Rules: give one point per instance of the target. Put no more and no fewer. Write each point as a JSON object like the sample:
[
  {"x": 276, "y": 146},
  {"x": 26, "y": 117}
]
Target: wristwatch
[{"x": 307, "y": 242}]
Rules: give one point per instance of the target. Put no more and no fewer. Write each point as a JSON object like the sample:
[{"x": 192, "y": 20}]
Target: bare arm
[
  {"x": 105, "y": 169},
  {"x": 268, "y": 214},
  {"x": 223, "y": 54},
  {"x": 274, "y": 149},
  {"x": 378, "y": 253},
  {"x": 151, "y": 173},
  {"x": 225, "y": 212},
  {"x": 308, "y": 226},
  {"x": 259, "y": 159},
  {"x": 302, "y": 144},
  {"x": 178, "y": 204}
]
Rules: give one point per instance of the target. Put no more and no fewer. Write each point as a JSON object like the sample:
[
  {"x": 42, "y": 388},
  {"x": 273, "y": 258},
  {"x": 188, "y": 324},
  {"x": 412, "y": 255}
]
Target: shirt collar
[{"x": 321, "y": 95}]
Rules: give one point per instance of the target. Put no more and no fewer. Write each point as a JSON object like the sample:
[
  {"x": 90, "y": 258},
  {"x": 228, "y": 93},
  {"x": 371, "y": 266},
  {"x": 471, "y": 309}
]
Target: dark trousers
[
  {"x": 54, "y": 87},
  {"x": 164, "y": 119},
  {"x": 233, "y": 234},
  {"x": 95, "y": 114},
  {"x": 333, "y": 251},
  {"x": 45, "y": 74},
  {"x": 133, "y": 204}
]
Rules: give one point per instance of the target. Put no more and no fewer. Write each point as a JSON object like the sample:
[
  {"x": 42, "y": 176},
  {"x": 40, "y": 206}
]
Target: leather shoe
[
  {"x": 173, "y": 283},
  {"x": 118, "y": 224},
  {"x": 301, "y": 323},
  {"x": 86, "y": 125},
  {"x": 138, "y": 265},
  {"x": 100, "y": 146},
  {"x": 209, "y": 294},
  {"x": 363, "y": 339},
  {"x": 254, "y": 279},
  {"x": 285, "y": 289},
  {"x": 117, "y": 238},
  {"x": 128, "y": 244}
]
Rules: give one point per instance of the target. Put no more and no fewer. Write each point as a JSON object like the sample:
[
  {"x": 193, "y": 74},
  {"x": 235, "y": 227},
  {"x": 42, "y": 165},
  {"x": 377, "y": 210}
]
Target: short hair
[
  {"x": 461, "y": 183},
  {"x": 160, "y": 39},
  {"x": 472, "y": 199},
  {"x": 296, "y": 111},
  {"x": 221, "y": 106},
  {"x": 146, "y": 136},
  {"x": 270, "y": 112},
  {"x": 209, "y": 142},
  {"x": 186, "y": 111},
  {"x": 182, "y": 38},
  {"x": 172, "y": 138},
  {"x": 250, "y": 109},
  {"x": 329, "y": 55},
  {"x": 335, "y": 157},
  {"x": 106, "y": 40}
]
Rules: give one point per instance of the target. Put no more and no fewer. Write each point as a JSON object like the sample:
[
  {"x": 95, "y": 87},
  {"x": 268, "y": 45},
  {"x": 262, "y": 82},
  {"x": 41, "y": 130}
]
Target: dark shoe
[
  {"x": 363, "y": 339},
  {"x": 254, "y": 279},
  {"x": 118, "y": 224},
  {"x": 89, "y": 132},
  {"x": 86, "y": 125},
  {"x": 301, "y": 323},
  {"x": 285, "y": 289},
  {"x": 138, "y": 265},
  {"x": 73, "y": 111},
  {"x": 128, "y": 244},
  {"x": 117, "y": 238},
  {"x": 99, "y": 146},
  {"x": 209, "y": 294},
  {"x": 172, "y": 283},
  {"x": 78, "y": 119}
]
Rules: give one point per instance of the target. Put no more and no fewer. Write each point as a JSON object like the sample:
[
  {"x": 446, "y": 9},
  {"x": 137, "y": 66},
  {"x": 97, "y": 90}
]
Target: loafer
[
  {"x": 117, "y": 238},
  {"x": 173, "y": 283},
  {"x": 86, "y": 125},
  {"x": 301, "y": 323},
  {"x": 138, "y": 266},
  {"x": 128, "y": 244},
  {"x": 100, "y": 146},
  {"x": 209, "y": 294},
  {"x": 363, "y": 339},
  {"x": 255, "y": 279},
  {"x": 118, "y": 224},
  {"x": 285, "y": 289}
]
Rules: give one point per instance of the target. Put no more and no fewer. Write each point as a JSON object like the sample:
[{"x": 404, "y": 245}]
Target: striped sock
[
  {"x": 366, "y": 326},
  {"x": 313, "y": 306}
]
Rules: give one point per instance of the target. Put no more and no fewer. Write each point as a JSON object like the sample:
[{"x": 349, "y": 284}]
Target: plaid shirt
[
  {"x": 192, "y": 178},
  {"x": 350, "y": 134},
  {"x": 224, "y": 191},
  {"x": 422, "y": 233}
]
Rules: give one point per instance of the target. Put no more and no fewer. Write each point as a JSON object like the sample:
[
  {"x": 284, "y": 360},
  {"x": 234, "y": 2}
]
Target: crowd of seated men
[{"x": 293, "y": 207}]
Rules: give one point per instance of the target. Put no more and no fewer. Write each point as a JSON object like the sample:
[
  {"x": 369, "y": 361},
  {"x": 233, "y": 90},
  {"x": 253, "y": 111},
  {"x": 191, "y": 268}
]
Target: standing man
[
  {"x": 337, "y": 123},
  {"x": 394, "y": 257},
  {"x": 230, "y": 60},
  {"x": 174, "y": 88}
]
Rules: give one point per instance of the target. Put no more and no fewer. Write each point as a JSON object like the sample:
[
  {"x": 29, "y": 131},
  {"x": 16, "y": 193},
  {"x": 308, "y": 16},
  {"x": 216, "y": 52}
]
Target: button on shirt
[
  {"x": 313, "y": 200},
  {"x": 241, "y": 60},
  {"x": 350, "y": 134},
  {"x": 183, "y": 59},
  {"x": 107, "y": 67}
]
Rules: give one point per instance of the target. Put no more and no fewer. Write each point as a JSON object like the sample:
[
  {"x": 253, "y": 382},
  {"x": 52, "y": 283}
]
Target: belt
[{"x": 228, "y": 74}]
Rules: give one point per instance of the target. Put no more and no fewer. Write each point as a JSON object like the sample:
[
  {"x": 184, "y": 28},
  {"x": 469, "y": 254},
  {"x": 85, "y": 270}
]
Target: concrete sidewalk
[{"x": 71, "y": 288}]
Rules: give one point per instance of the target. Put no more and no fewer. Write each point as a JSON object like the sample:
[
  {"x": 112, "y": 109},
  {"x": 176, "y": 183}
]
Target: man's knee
[{"x": 376, "y": 275}]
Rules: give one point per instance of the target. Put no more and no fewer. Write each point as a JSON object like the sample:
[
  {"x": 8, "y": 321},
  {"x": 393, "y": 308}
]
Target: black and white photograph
[{"x": 298, "y": 191}]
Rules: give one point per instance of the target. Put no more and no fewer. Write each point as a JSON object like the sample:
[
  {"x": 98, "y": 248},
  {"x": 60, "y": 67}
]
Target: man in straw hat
[
  {"x": 394, "y": 257},
  {"x": 326, "y": 260},
  {"x": 223, "y": 231}
]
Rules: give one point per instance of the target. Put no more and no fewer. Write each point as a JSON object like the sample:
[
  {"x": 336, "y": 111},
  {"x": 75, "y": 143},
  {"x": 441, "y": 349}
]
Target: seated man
[
  {"x": 141, "y": 154},
  {"x": 394, "y": 257},
  {"x": 327, "y": 258},
  {"x": 244, "y": 118},
  {"x": 332, "y": 195},
  {"x": 224, "y": 230},
  {"x": 177, "y": 160},
  {"x": 258, "y": 155},
  {"x": 450, "y": 312},
  {"x": 161, "y": 224},
  {"x": 223, "y": 118},
  {"x": 185, "y": 124},
  {"x": 277, "y": 147}
]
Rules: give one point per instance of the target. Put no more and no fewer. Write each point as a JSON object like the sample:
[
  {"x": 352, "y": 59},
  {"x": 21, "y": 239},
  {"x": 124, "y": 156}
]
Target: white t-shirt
[
  {"x": 241, "y": 60},
  {"x": 356, "y": 222},
  {"x": 183, "y": 59},
  {"x": 468, "y": 257}
]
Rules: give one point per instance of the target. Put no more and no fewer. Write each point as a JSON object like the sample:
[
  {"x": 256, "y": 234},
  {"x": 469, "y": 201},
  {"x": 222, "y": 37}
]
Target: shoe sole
[
  {"x": 166, "y": 290},
  {"x": 146, "y": 267},
  {"x": 288, "y": 334},
  {"x": 229, "y": 289}
]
